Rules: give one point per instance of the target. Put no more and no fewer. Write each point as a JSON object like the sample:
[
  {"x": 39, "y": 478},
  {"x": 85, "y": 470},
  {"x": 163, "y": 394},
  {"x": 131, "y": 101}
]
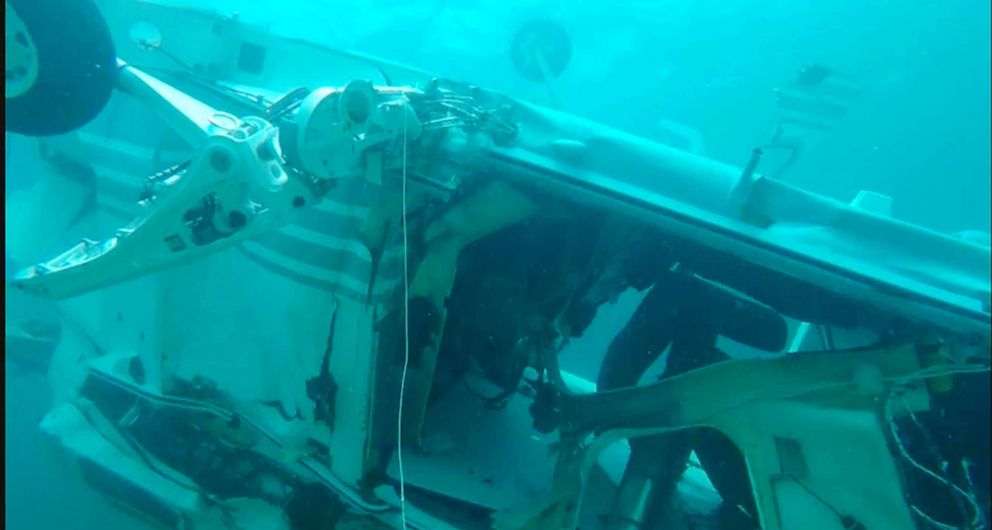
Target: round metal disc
[{"x": 541, "y": 49}]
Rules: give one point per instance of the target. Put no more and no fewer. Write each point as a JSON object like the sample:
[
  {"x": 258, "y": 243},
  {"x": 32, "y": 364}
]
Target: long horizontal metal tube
[{"x": 902, "y": 268}]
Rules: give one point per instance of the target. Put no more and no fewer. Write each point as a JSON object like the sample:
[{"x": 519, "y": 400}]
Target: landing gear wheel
[{"x": 60, "y": 65}]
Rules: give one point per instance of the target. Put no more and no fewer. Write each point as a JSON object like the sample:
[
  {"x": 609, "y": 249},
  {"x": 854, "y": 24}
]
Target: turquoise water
[{"x": 920, "y": 132}]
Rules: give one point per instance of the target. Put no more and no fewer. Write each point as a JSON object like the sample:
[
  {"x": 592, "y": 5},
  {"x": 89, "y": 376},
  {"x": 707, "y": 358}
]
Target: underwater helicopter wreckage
[{"x": 336, "y": 289}]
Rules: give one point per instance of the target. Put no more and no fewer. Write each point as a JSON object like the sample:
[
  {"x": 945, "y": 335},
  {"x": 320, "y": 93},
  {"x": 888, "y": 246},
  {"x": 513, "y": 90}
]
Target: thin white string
[
  {"x": 900, "y": 445},
  {"x": 406, "y": 345}
]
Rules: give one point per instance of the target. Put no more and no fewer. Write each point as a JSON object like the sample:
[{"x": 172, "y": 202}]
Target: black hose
[{"x": 778, "y": 142}]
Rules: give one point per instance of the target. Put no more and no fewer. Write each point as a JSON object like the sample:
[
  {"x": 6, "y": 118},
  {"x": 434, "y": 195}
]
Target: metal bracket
[{"x": 235, "y": 189}]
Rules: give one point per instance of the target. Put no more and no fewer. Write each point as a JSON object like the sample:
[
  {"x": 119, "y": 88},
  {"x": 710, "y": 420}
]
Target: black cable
[
  {"x": 286, "y": 103},
  {"x": 136, "y": 447},
  {"x": 242, "y": 97},
  {"x": 793, "y": 155},
  {"x": 169, "y": 56},
  {"x": 847, "y": 521}
]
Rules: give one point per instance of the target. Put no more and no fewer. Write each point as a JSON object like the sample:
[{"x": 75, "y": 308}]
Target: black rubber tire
[{"x": 77, "y": 66}]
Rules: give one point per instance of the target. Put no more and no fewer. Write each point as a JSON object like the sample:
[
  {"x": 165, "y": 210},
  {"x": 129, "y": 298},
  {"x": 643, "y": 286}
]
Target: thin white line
[{"x": 406, "y": 345}]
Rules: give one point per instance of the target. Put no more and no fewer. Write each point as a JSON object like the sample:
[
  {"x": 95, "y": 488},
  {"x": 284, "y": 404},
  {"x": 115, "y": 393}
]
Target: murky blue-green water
[{"x": 919, "y": 132}]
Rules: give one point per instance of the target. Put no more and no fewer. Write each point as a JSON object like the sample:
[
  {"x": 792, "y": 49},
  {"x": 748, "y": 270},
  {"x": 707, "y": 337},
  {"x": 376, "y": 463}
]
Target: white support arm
[{"x": 236, "y": 188}]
